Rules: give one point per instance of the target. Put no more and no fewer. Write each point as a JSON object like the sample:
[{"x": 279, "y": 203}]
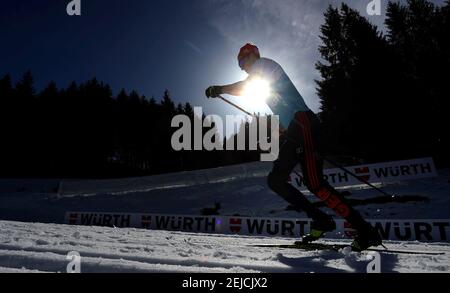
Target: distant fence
[
  {"x": 404, "y": 230},
  {"x": 374, "y": 173},
  {"x": 379, "y": 173}
]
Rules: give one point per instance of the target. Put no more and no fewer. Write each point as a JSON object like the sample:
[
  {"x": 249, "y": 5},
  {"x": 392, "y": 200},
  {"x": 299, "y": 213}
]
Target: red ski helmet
[{"x": 246, "y": 51}]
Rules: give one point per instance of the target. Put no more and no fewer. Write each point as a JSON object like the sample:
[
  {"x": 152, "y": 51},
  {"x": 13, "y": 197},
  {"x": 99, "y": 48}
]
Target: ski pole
[
  {"x": 357, "y": 177},
  {"x": 234, "y": 105}
]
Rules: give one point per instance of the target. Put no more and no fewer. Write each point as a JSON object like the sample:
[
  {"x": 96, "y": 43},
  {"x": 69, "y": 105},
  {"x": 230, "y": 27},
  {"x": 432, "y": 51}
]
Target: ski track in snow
[
  {"x": 30, "y": 247},
  {"x": 33, "y": 248}
]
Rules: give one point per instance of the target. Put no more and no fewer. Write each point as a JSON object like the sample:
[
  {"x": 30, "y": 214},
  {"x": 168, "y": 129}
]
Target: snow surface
[
  {"x": 244, "y": 193},
  {"x": 28, "y": 247}
]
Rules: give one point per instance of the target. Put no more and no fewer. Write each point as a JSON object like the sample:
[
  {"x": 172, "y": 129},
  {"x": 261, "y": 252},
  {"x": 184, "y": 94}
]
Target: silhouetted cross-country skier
[{"x": 300, "y": 146}]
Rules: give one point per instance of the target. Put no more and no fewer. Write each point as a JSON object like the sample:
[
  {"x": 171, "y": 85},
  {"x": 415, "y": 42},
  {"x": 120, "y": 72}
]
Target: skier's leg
[
  {"x": 312, "y": 169},
  {"x": 279, "y": 177}
]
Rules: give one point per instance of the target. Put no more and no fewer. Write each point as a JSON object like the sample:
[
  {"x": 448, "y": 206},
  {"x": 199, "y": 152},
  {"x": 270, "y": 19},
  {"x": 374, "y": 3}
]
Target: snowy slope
[
  {"x": 241, "y": 190},
  {"x": 244, "y": 193},
  {"x": 26, "y": 247}
]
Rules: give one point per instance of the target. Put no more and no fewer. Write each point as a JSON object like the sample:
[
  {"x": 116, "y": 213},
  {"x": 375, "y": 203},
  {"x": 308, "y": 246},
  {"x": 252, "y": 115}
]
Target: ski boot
[
  {"x": 318, "y": 230},
  {"x": 366, "y": 238}
]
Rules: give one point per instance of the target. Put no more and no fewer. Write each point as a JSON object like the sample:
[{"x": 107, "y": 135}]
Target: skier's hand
[{"x": 213, "y": 91}]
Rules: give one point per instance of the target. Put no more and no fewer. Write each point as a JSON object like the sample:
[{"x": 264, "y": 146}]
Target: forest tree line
[
  {"x": 384, "y": 96},
  {"x": 85, "y": 131}
]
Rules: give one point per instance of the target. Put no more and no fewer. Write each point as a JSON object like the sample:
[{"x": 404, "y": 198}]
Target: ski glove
[{"x": 213, "y": 91}]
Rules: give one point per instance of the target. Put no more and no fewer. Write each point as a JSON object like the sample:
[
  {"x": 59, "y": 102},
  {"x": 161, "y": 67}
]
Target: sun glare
[{"x": 257, "y": 91}]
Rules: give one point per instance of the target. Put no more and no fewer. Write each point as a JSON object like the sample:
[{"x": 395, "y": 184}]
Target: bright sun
[{"x": 257, "y": 91}]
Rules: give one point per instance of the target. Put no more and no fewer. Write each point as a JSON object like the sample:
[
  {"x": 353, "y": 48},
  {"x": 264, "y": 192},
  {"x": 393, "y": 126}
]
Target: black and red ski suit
[{"x": 301, "y": 145}]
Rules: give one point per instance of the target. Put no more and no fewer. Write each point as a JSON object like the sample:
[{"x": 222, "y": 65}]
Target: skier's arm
[{"x": 235, "y": 89}]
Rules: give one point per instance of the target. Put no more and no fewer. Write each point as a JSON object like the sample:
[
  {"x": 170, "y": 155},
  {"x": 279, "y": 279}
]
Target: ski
[{"x": 338, "y": 247}]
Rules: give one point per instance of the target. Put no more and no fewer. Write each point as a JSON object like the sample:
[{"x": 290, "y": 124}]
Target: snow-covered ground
[
  {"x": 27, "y": 244},
  {"x": 242, "y": 191},
  {"x": 27, "y": 247}
]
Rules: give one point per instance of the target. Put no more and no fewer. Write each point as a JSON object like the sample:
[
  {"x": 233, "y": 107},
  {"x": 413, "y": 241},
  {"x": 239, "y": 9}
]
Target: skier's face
[{"x": 247, "y": 63}]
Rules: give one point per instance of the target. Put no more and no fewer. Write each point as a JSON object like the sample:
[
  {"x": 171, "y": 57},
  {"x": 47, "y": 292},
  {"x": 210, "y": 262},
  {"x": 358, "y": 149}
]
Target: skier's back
[{"x": 300, "y": 146}]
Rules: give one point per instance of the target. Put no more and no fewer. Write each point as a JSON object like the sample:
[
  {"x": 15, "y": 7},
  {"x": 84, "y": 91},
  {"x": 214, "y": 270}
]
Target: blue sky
[{"x": 150, "y": 46}]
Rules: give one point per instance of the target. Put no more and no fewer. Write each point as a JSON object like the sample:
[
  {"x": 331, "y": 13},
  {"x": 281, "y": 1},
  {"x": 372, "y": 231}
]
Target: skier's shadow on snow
[
  {"x": 319, "y": 263},
  {"x": 316, "y": 263},
  {"x": 360, "y": 264}
]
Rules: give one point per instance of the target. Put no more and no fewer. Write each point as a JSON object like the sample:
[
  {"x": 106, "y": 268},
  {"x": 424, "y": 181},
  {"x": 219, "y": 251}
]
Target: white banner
[
  {"x": 377, "y": 173},
  {"x": 404, "y": 230}
]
